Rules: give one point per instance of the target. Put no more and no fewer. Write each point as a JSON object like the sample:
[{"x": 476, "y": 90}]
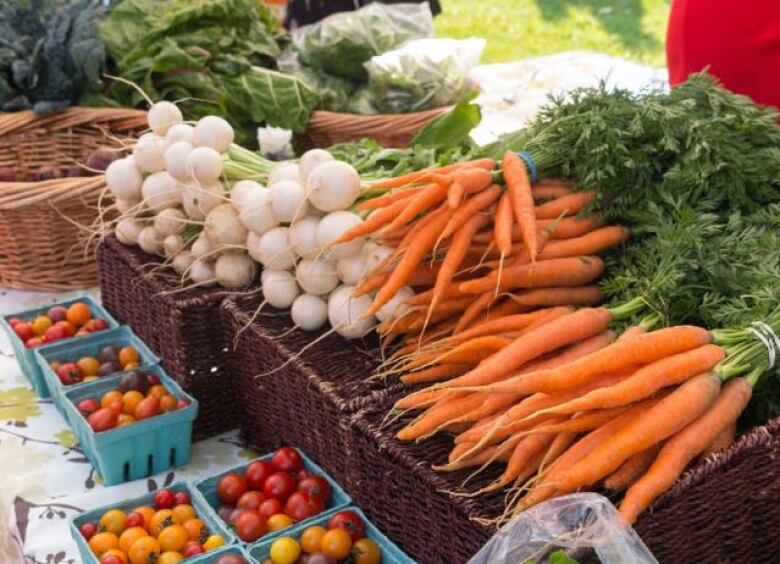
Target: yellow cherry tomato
[
  {"x": 173, "y": 537},
  {"x": 170, "y": 557},
  {"x": 130, "y": 401},
  {"x": 100, "y": 543},
  {"x": 285, "y": 550},
  {"x": 278, "y": 522},
  {"x": 160, "y": 520},
  {"x": 129, "y": 536},
  {"x": 183, "y": 512},
  {"x": 311, "y": 539},
  {"x": 40, "y": 324},
  {"x": 145, "y": 550},
  {"x": 214, "y": 541},
  {"x": 113, "y": 521},
  {"x": 89, "y": 365}
]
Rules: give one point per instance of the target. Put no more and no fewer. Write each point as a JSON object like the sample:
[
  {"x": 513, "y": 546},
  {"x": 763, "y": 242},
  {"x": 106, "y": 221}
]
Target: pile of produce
[
  {"x": 110, "y": 360},
  {"x": 166, "y": 533},
  {"x": 58, "y": 323}
]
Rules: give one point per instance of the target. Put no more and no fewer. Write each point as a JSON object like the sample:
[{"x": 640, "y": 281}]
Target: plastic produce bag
[
  {"x": 584, "y": 520},
  {"x": 334, "y": 92},
  {"x": 342, "y": 42},
  {"x": 423, "y": 74}
]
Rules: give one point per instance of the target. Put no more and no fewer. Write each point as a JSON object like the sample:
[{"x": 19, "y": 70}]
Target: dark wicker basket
[
  {"x": 183, "y": 328},
  {"x": 310, "y": 401}
]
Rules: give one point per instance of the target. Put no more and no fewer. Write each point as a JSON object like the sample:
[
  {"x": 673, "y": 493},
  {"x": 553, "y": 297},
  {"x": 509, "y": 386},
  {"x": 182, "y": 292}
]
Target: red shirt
[{"x": 739, "y": 40}]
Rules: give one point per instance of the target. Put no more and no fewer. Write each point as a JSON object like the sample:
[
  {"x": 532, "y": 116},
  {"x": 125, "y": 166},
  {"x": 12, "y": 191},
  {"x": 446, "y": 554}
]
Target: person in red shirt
[{"x": 739, "y": 40}]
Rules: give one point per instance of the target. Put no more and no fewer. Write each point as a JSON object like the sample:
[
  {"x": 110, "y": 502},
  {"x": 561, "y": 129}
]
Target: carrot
[
  {"x": 478, "y": 202},
  {"x": 565, "y": 205},
  {"x": 506, "y": 324},
  {"x": 412, "y": 321},
  {"x": 561, "y": 182},
  {"x": 502, "y": 227},
  {"x": 588, "y": 244},
  {"x": 424, "y": 275},
  {"x": 494, "y": 454},
  {"x": 569, "y": 227},
  {"x": 418, "y": 204},
  {"x": 571, "y": 271},
  {"x": 474, "y": 310},
  {"x": 435, "y": 373},
  {"x": 469, "y": 351},
  {"x": 549, "y": 192},
  {"x": 374, "y": 221},
  {"x": 686, "y": 445},
  {"x": 631, "y": 469},
  {"x": 664, "y": 419},
  {"x": 586, "y": 421},
  {"x": 437, "y": 416},
  {"x": 584, "y": 295},
  {"x": 633, "y": 331},
  {"x": 420, "y": 175},
  {"x": 721, "y": 442},
  {"x": 389, "y": 198},
  {"x": 519, "y": 188},
  {"x": 424, "y": 298},
  {"x": 667, "y": 371},
  {"x": 520, "y": 467},
  {"x": 638, "y": 351}
]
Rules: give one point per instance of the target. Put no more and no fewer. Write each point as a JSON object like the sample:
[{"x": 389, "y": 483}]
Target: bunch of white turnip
[{"x": 176, "y": 202}]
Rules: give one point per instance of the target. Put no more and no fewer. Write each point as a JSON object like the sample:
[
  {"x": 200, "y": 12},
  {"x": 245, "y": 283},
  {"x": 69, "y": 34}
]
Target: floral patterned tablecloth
[{"x": 45, "y": 478}]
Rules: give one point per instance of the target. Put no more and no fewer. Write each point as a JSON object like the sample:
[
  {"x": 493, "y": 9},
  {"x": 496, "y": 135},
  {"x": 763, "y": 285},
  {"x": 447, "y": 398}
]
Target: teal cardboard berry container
[
  {"x": 204, "y": 512},
  {"x": 138, "y": 450},
  {"x": 391, "y": 554},
  {"x": 72, "y": 350},
  {"x": 26, "y": 357},
  {"x": 213, "y": 556},
  {"x": 206, "y": 490}
]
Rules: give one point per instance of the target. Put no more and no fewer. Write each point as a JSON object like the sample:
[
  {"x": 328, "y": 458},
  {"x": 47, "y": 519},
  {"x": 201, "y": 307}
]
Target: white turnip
[
  {"x": 234, "y": 269},
  {"x": 170, "y": 221},
  {"x": 162, "y": 116},
  {"x": 346, "y": 313},
  {"x": 279, "y": 288},
  {"x": 214, "y": 132},
  {"x": 199, "y": 199},
  {"x": 256, "y": 212},
  {"x": 333, "y": 185},
  {"x": 202, "y": 273},
  {"x": 333, "y": 226},
  {"x": 310, "y": 160},
  {"x": 223, "y": 227},
  {"x": 182, "y": 261},
  {"x": 150, "y": 241},
  {"x": 303, "y": 237},
  {"x": 288, "y": 200},
  {"x": 160, "y": 191},
  {"x": 309, "y": 312},
  {"x": 396, "y": 306},
  {"x": 124, "y": 179},
  {"x": 204, "y": 164},
  {"x": 148, "y": 153},
  {"x": 127, "y": 230},
  {"x": 176, "y": 160},
  {"x": 203, "y": 246},
  {"x": 316, "y": 276},
  {"x": 173, "y": 245},
  {"x": 286, "y": 171},
  {"x": 241, "y": 190},
  {"x": 273, "y": 250},
  {"x": 179, "y": 132}
]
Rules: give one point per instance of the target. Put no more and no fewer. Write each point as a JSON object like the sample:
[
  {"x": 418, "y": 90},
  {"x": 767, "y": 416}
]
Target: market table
[{"x": 46, "y": 479}]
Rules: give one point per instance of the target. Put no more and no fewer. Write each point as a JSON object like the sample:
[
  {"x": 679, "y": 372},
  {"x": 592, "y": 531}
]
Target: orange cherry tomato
[
  {"x": 111, "y": 398},
  {"x": 157, "y": 391},
  {"x": 124, "y": 419},
  {"x": 100, "y": 543},
  {"x": 130, "y": 401},
  {"x": 127, "y": 538},
  {"x": 173, "y": 537},
  {"x": 146, "y": 511},
  {"x": 147, "y": 408},
  {"x": 128, "y": 355},
  {"x": 78, "y": 314},
  {"x": 311, "y": 539},
  {"x": 170, "y": 557},
  {"x": 145, "y": 550},
  {"x": 183, "y": 512},
  {"x": 113, "y": 521},
  {"x": 89, "y": 365},
  {"x": 336, "y": 544},
  {"x": 196, "y": 529},
  {"x": 168, "y": 403},
  {"x": 114, "y": 552},
  {"x": 366, "y": 551},
  {"x": 279, "y": 521},
  {"x": 160, "y": 520},
  {"x": 131, "y": 366}
]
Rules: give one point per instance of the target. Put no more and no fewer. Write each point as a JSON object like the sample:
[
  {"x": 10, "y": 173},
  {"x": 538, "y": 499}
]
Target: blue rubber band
[{"x": 529, "y": 161}]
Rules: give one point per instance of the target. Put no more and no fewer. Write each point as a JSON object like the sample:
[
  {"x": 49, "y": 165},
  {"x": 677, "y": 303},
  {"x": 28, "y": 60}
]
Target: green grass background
[{"x": 517, "y": 29}]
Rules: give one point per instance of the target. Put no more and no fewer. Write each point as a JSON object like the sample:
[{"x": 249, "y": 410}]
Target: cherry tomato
[
  {"x": 57, "y": 313},
  {"x": 350, "y": 522},
  {"x": 278, "y": 522},
  {"x": 34, "y": 342},
  {"x": 148, "y": 407},
  {"x": 231, "y": 559},
  {"x": 40, "y": 324},
  {"x": 336, "y": 543},
  {"x": 231, "y": 486},
  {"x": 103, "y": 419},
  {"x": 147, "y": 513},
  {"x": 270, "y": 507},
  {"x": 320, "y": 558},
  {"x": 181, "y": 498},
  {"x": 301, "y": 505},
  {"x": 68, "y": 327},
  {"x": 257, "y": 472},
  {"x": 114, "y": 558},
  {"x": 193, "y": 549},
  {"x": 145, "y": 550},
  {"x": 103, "y": 542},
  {"x": 98, "y": 324},
  {"x": 285, "y": 550},
  {"x": 124, "y": 419},
  {"x": 89, "y": 366},
  {"x": 56, "y": 332},
  {"x": 196, "y": 529},
  {"x": 127, "y": 355},
  {"x": 279, "y": 485},
  {"x": 250, "y": 500},
  {"x": 70, "y": 373},
  {"x": 88, "y": 530},
  {"x": 287, "y": 459},
  {"x": 164, "y": 499},
  {"x": 183, "y": 512},
  {"x": 311, "y": 539},
  {"x": 129, "y": 536},
  {"x": 110, "y": 398},
  {"x": 87, "y": 406},
  {"x": 250, "y": 526},
  {"x": 78, "y": 313},
  {"x": 24, "y": 331},
  {"x": 213, "y": 542},
  {"x": 366, "y": 551},
  {"x": 181, "y": 403},
  {"x": 234, "y": 515},
  {"x": 173, "y": 537},
  {"x": 302, "y": 475},
  {"x": 224, "y": 511},
  {"x": 154, "y": 380},
  {"x": 159, "y": 521},
  {"x": 134, "y": 519},
  {"x": 315, "y": 486},
  {"x": 157, "y": 391},
  {"x": 170, "y": 557},
  {"x": 168, "y": 403},
  {"x": 130, "y": 401},
  {"x": 14, "y": 321}
]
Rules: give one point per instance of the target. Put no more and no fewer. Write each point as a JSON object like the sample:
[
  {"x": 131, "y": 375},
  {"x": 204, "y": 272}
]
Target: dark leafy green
[{"x": 452, "y": 127}]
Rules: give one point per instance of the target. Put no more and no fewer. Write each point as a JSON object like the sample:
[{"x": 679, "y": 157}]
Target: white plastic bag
[{"x": 583, "y": 520}]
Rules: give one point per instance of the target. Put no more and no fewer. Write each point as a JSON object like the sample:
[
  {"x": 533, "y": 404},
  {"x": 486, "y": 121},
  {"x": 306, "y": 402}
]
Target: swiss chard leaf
[{"x": 452, "y": 127}]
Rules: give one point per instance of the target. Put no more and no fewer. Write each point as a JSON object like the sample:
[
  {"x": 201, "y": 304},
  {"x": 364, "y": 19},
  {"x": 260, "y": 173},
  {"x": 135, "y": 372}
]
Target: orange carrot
[
  {"x": 584, "y": 295},
  {"x": 560, "y": 444},
  {"x": 687, "y": 444},
  {"x": 588, "y": 244},
  {"x": 631, "y": 469},
  {"x": 425, "y": 275},
  {"x": 683, "y": 406},
  {"x": 437, "y": 416},
  {"x": 569, "y": 227},
  {"x": 374, "y": 221},
  {"x": 418, "y": 204},
  {"x": 638, "y": 351},
  {"x": 586, "y": 421},
  {"x": 721, "y": 442},
  {"x": 528, "y": 450},
  {"x": 506, "y": 324},
  {"x": 424, "y": 298},
  {"x": 502, "y": 227},
  {"x": 469, "y": 351},
  {"x": 565, "y": 205},
  {"x": 570, "y": 271},
  {"x": 435, "y": 373},
  {"x": 475, "y": 204},
  {"x": 549, "y": 192},
  {"x": 421, "y": 175},
  {"x": 519, "y": 188},
  {"x": 472, "y": 312},
  {"x": 389, "y": 198}
]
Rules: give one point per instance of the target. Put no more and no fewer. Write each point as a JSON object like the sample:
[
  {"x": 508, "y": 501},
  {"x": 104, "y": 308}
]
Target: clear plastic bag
[
  {"x": 334, "y": 92},
  {"x": 423, "y": 74},
  {"x": 342, "y": 42},
  {"x": 583, "y": 520}
]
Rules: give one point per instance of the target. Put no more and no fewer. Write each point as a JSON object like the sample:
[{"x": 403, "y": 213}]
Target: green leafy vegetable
[{"x": 452, "y": 127}]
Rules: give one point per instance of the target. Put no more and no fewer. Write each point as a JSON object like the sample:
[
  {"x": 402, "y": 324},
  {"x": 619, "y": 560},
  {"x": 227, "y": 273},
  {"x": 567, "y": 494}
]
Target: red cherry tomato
[
  {"x": 301, "y": 505},
  {"x": 88, "y": 406},
  {"x": 14, "y": 321},
  {"x": 182, "y": 403},
  {"x": 70, "y": 373},
  {"x": 302, "y": 475},
  {"x": 134, "y": 519},
  {"x": 192, "y": 549},
  {"x": 181, "y": 498},
  {"x": 257, "y": 472},
  {"x": 250, "y": 526},
  {"x": 103, "y": 419},
  {"x": 24, "y": 331},
  {"x": 99, "y": 324},
  {"x": 315, "y": 486},
  {"x": 111, "y": 559},
  {"x": 287, "y": 459},
  {"x": 34, "y": 342},
  {"x": 88, "y": 530},
  {"x": 234, "y": 515},
  {"x": 350, "y": 522},
  {"x": 250, "y": 500},
  {"x": 55, "y": 333},
  {"x": 279, "y": 485},
  {"x": 164, "y": 499},
  {"x": 230, "y": 487},
  {"x": 67, "y": 326},
  {"x": 270, "y": 507},
  {"x": 154, "y": 380}
]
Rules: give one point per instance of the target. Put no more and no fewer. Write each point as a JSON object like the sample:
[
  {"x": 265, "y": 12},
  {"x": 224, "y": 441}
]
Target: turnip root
[
  {"x": 241, "y": 190},
  {"x": 309, "y": 312},
  {"x": 316, "y": 276},
  {"x": 333, "y": 226},
  {"x": 162, "y": 116},
  {"x": 234, "y": 269},
  {"x": 125, "y": 207},
  {"x": 396, "y": 306},
  {"x": 204, "y": 164},
  {"x": 148, "y": 153},
  {"x": 213, "y": 132},
  {"x": 273, "y": 250},
  {"x": 127, "y": 230},
  {"x": 176, "y": 160},
  {"x": 170, "y": 221},
  {"x": 179, "y": 132},
  {"x": 199, "y": 199},
  {"x": 124, "y": 179},
  {"x": 286, "y": 171},
  {"x": 377, "y": 256},
  {"x": 256, "y": 212},
  {"x": 288, "y": 200},
  {"x": 182, "y": 261},
  {"x": 310, "y": 160},
  {"x": 223, "y": 227},
  {"x": 160, "y": 191},
  {"x": 302, "y": 237},
  {"x": 346, "y": 313},
  {"x": 201, "y": 272},
  {"x": 279, "y": 288},
  {"x": 150, "y": 241},
  {"x": 173, "y": 245},
  {"x": 333, "y": 185},
  {"x": 351, "y": 269},
  {"x": 203, "y": 246}
]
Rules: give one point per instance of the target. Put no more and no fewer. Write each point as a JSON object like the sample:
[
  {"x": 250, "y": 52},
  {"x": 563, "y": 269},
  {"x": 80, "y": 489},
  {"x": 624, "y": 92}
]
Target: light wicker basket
[
  {"x": 389, "y": 130},
  {"x": 42, "y": 235}
]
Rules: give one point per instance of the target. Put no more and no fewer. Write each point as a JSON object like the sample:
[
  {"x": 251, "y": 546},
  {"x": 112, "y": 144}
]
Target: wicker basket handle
[{"x": 118, "y": 118}]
